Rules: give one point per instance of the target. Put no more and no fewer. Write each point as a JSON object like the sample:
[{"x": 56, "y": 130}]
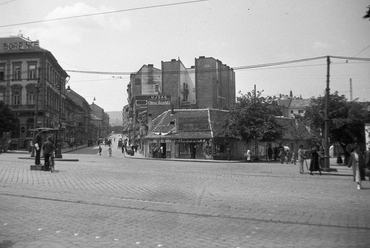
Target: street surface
[{"x": 119, "y": 201}]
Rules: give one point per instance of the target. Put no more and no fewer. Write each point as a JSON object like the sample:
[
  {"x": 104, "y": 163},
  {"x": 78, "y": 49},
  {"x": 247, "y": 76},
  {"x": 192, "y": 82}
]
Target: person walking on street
[
  {"x": 38, "y": 144},
  {"x": 367, "y": 160},
  {"x": 247, "y": 155},
  {"x": 269, "y": 152},
  {"x": 301, "y": 159},
  {"x": 228, "y": 152},
  {"x": 48, "y": 147},
  {"x": 100, "y": 149},
  {"x": 282, "y": 155},
  {"x": 276, "y": 153},
  {"x": 110, "y": 150},
  {"x": 357, "y": 162},
  {"x": 315, "y": 164}
]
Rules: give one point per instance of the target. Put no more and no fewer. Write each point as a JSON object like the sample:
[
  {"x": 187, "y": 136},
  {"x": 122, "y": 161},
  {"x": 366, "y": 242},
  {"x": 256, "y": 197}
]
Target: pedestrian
[
  {"x": 228, "y": 152},
  {"x": 38, "y": 144},
  {"x": 269, "y": 152},
  {"x": 367, "y": 161},
  {"x": 288, "y": 156},
  {"x": 48, "y": 147},
  {"x": 357, "y": 162},
  {"x": 247, "y": 155},
  {"x": 321, "y": 153},
  {"x": 339, "y": 159},
  {"x": 294, "y": 158},
  {"x": 315, "y": 164},
  {"x": 301, "y": 159},
  {"x": 110, "y": 151},
  {"x": 282, "y": 155},
  {"x": 276, "y": 153},
  {"x": 100, "y": 149}
]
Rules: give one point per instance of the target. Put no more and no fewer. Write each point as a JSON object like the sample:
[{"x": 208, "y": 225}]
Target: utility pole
[
  {"x": 326, "y": 118},
  {"x": 350, "y": 90}
]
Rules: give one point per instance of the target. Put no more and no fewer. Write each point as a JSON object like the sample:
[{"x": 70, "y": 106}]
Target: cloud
[
  {"x": 320, "y": 45},
  {"x": 71, "y": 31}
]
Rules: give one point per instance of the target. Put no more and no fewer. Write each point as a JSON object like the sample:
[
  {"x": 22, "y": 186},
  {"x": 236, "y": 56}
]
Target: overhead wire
[{"x": 102, "y": 13}]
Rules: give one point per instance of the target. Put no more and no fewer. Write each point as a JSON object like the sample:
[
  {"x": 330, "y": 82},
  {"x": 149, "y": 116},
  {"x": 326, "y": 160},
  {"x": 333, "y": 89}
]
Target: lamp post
[
  {"x": 37, "y": 87},
  {"x": 58, "y": 153}
]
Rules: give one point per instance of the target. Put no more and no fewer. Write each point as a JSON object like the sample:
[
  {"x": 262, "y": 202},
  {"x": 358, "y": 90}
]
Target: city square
[{"x": 128, "y": 201}]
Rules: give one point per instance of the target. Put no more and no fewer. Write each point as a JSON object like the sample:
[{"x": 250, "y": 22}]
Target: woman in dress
[{"x": 314, "y": 165}]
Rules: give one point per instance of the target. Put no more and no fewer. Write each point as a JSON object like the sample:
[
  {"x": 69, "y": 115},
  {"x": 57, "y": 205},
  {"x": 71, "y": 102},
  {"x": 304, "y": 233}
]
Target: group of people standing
[
  {"x": 358, "y": 161},
  {"x": 48, "y": 148}
]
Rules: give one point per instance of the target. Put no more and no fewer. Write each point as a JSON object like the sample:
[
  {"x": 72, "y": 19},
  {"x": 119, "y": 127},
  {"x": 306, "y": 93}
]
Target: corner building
[{"x": 31, "y": 76}]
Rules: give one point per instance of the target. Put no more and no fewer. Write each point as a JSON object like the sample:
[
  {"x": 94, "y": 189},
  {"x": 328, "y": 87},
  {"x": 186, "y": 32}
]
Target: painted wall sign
[{"x": 20, "y": 45}]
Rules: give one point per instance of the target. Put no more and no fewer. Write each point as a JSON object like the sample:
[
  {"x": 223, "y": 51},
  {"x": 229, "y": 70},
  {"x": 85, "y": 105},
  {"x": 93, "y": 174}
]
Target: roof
[
  {"x": 294, "y": 129},
  {"x": 187, "y": 124},
  {"x": 300, "y": 103},
  {"x": 284, "y": 103}
]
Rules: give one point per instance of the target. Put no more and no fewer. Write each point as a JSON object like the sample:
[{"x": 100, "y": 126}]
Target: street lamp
[
  {"x": 37, "y": 87},
  {"x": 58, "y": 153}
]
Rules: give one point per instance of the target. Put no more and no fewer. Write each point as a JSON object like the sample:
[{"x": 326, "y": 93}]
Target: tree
[
  {"x": 367, "y": 13},
  {"x": 7, "y": 118},
  {"x": 253, "y": 118},
  {"x": 346, "y": 119}
]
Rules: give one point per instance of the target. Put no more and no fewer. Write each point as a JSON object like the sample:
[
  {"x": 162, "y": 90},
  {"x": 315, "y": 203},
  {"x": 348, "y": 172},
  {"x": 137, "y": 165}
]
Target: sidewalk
[
  {"x": 335, "y": 169},
  {"x": 64, "y": 150}
]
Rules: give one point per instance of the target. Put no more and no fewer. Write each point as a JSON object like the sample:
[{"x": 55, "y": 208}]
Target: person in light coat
[{"x": 357, "y": 162}]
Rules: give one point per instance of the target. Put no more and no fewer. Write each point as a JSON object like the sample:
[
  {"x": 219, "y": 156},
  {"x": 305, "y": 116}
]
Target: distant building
[
  {"x": 208, "y": 84},
  {"x": 214, "y": 84},
  {"x": 291, "y": 106},
  {"x": 187, "y": 133},
  {"x": 100, "y": 120}
]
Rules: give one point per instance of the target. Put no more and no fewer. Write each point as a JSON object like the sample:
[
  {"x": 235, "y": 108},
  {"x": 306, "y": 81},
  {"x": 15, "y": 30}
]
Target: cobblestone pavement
[{"x": 115, "y": 201}]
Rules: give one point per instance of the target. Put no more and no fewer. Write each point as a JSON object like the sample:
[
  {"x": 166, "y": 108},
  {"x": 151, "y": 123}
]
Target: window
[
  {"x": 16, "y": 98},
  {"x": 31, "y": 71},
  {"x": 2, "y": 72},
  {"x": 2, "y": 96},
  {"x": 31, "y": 99},
  {"x": 17, "y": 72}
]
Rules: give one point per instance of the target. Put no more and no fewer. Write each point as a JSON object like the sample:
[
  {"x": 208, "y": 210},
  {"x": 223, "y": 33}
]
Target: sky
[{"x": 239, "y": 33}]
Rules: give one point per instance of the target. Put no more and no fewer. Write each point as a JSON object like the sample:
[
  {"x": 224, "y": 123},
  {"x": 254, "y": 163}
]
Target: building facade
[{"x": 31, "y": 81}]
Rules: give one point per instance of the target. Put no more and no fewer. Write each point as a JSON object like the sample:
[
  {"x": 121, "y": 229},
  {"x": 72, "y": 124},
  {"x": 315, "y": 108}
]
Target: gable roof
[
  {"x": 187, "y": 124},
  {"x": 294, "y": 129},
  {"x": 300, "y": 103}
]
